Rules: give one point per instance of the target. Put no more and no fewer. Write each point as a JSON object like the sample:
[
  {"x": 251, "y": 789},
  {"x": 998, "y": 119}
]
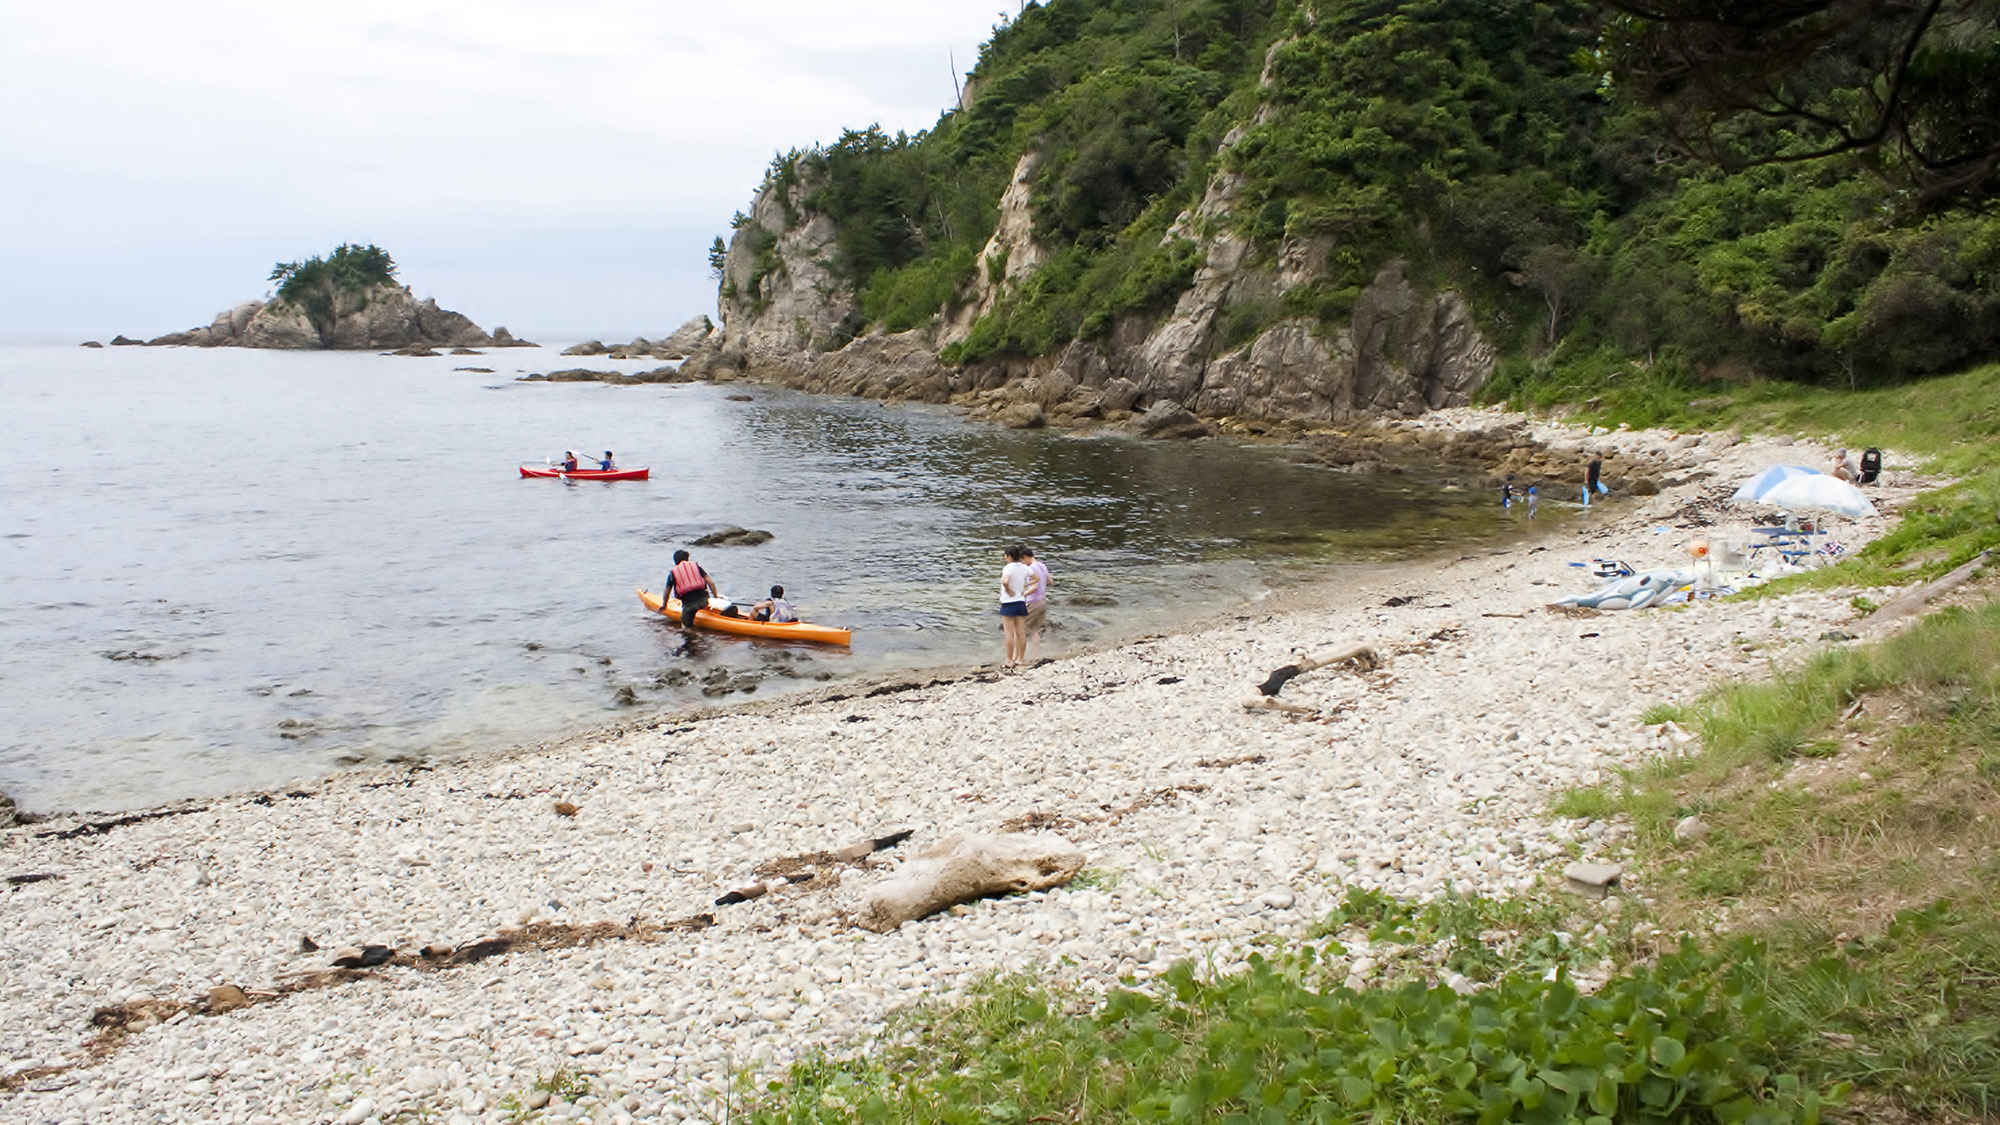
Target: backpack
[{"x": 1871, "y": 465}]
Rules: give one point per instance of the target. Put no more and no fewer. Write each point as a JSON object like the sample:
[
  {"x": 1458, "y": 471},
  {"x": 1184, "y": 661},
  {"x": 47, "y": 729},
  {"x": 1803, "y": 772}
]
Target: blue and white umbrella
[
  {"x": 1818, "y": 493},
  {"x": 1753, "y": 490}
]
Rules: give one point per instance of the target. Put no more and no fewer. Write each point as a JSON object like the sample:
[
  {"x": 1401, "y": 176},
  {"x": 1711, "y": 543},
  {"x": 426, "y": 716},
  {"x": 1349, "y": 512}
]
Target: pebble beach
[{"x": 544, "y": 909}]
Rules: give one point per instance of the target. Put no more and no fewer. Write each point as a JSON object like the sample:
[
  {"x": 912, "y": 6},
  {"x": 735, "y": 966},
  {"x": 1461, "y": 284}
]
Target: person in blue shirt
[{"x": 605, "y": 463}]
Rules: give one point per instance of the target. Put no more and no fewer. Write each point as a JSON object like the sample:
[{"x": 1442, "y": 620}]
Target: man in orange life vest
[{"x": 691, "y": 584}]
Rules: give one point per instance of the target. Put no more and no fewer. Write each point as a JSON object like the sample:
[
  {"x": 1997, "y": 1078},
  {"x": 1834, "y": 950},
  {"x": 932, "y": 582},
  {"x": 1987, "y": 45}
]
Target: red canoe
[{"x": 589, "y": 474}]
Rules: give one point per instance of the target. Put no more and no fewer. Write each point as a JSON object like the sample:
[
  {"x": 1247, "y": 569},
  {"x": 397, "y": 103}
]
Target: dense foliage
[
  {"x": 348, "y": 267},
  {"x": 313, "y": 283},
  {"x": 1685, "y": 1041},
  {"x": 1490, "y": 145},
  {"x": 1911, "y": 86}
]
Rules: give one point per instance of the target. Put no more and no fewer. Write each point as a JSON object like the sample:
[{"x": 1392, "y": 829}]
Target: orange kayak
[{"x": 722, "y": 623}]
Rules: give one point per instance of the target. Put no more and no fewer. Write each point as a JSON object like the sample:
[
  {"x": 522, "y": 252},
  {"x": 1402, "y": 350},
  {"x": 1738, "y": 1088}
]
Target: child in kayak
[
  {"x": 606, "y": 464},
  {"x": 775, "y": 608}
]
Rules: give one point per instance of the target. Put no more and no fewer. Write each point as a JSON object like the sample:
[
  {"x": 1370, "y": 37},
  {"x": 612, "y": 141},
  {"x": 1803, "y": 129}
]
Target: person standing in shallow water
[
  {"x": 1038, "y": 605},
  {"x": 691, "y": 584},
  {"x": 1016, "y": 577}
]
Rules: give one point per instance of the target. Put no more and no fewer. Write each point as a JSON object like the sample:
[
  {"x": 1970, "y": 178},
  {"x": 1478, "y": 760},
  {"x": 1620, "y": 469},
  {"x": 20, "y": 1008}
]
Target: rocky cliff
[
  {"x": 385, "y": 315},
  {"x": 1404, "y": 350}
]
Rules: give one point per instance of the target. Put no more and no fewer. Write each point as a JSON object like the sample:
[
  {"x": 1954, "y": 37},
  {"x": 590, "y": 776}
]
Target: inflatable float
[{"x": 1637, "y": 592}]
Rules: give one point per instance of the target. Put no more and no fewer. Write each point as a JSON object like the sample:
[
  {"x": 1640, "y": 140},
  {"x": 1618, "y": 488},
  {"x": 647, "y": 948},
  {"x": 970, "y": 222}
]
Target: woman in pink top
[{"x": 1038, "y": 605}]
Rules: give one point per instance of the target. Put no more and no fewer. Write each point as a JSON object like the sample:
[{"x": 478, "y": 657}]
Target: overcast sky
[{"x": 551, "y": 167}]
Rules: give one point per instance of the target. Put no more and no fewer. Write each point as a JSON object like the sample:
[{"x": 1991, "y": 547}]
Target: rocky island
[{"x": 348, "y": 300}]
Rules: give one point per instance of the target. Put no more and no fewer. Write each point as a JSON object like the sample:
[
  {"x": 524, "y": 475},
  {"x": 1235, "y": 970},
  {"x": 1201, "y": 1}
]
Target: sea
[{"x": 225, "y": 569}]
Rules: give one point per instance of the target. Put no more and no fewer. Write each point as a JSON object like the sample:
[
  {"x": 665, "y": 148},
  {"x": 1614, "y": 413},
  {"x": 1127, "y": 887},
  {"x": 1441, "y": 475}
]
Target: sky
[{"x": 555, "y": 168}]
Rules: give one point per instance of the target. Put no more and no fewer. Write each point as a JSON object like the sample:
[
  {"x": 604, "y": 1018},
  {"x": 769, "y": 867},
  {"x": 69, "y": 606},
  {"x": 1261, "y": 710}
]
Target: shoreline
[{"x": 1204, "y": 825}]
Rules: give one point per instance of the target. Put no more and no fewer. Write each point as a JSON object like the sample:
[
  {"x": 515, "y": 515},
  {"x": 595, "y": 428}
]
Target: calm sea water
[{"x": 223, "y": 569}]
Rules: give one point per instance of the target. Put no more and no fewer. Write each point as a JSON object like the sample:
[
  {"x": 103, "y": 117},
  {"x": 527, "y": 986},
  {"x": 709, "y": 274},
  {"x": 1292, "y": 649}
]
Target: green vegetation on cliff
[
  {"x": 1489, "y": 146},
  {"x": 315, "y": 283}
]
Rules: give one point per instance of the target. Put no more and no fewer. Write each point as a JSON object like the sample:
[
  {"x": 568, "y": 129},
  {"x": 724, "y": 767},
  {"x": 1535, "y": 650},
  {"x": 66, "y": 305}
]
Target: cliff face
[
  {"x": 385, "y": 315},
  {"x": 780, "y": 295},
  {"x": 1403, "y": 352}
]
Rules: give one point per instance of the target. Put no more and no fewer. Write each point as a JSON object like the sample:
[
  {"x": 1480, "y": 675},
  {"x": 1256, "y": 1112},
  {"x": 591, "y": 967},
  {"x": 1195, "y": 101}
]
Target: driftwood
[
  {"x": 1266, "y": 699},
  {"x": 967, "y": 866},
  {"x": 1913, "y": 601}
]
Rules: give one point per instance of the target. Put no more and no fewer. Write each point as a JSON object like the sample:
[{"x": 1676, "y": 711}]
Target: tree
[
  {"x": 349, "y": 267},
  {"x": 718, "y": 258},
  {"x": 314, "y": 283},
  {"x": 1910, "y": 86}
]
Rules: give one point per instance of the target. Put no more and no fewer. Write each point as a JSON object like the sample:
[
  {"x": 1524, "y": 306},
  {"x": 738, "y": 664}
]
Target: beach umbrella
[
  {"x": 1753, "y": 490},
  {"x": 1818, "y": 493}
]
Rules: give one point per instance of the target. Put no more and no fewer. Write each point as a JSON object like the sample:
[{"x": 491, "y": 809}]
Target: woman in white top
[{"x": 1017, "y": 581}]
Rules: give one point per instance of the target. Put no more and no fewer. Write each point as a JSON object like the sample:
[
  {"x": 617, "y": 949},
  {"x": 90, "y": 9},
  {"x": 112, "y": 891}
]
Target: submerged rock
[{"x": 734, "y": 537}]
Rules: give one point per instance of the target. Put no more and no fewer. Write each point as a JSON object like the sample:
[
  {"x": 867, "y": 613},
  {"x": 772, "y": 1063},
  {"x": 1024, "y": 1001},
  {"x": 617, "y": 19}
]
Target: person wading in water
[{"x": 691, "y": 584}]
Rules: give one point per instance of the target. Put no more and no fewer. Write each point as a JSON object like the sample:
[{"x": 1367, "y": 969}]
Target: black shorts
[{"x": 1013, "y": 609}]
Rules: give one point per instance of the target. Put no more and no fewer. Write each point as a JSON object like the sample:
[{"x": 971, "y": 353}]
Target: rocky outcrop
[
  {"x": 617, "y": 378},
  {"x": 1218, "y": 357},
  {"x": 378, "y": 316},
  {"x": 685, "y": 339},
  {"x": 1487, "y": 455},
  {"x": 1009, "y": 257}
]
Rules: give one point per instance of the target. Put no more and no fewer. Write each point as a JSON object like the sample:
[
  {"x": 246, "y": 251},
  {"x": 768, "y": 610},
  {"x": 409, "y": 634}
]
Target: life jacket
[
  {"x": 688, "y": 578},
  {"x": 782, "y": 611}
]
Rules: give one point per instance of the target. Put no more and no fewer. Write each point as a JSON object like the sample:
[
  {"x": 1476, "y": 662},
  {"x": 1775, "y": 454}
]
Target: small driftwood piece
[
  {"x": 1266, "y": 698},
  {"x": 967, "y": 866}
]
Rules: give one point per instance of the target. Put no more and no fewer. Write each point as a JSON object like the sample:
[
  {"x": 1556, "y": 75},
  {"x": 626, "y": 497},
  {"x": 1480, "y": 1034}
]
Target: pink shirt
[{"x": 1042, "y": 577}]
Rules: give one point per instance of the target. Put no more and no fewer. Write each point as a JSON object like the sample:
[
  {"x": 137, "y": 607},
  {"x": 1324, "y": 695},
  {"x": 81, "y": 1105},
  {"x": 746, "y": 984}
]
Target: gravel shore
[{"x": 183, "y": 932}]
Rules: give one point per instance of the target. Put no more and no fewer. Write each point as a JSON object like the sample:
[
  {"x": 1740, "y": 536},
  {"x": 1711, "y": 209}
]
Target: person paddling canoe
[{"x": 691, "y": 585}]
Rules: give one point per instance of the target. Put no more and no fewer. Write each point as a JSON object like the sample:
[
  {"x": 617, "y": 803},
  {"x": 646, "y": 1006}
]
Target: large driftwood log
[
  {"x": 1266, "y": 698},
  {"x": 967, "y": 866},
  {"x": 1914, "y": 601}
]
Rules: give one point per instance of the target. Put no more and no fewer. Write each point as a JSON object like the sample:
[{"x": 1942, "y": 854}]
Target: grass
[
  {"x": 1853, "y": 807},
  {"x": 1278, "y": 1042}
]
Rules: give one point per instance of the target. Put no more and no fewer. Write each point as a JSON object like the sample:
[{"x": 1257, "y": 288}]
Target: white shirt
[{"x": 1014, "y": 582}]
